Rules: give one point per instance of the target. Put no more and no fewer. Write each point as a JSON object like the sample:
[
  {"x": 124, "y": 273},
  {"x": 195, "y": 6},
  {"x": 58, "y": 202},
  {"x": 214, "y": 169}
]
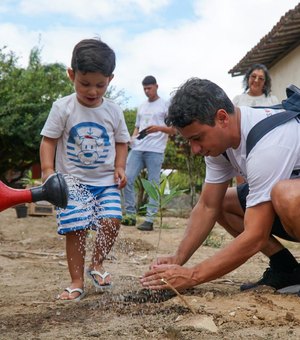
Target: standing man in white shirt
[{"x": 148, "y": 143}]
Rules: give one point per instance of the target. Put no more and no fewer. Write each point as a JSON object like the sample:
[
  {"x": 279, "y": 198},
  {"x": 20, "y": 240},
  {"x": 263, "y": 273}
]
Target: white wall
[{"x": 285, "y": 72}]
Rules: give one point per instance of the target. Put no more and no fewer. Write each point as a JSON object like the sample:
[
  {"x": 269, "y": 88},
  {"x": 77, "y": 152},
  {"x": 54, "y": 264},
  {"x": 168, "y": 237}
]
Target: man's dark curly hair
[
  {"x": 197, "y": 100},
  {"x": 267, "y": 84}
]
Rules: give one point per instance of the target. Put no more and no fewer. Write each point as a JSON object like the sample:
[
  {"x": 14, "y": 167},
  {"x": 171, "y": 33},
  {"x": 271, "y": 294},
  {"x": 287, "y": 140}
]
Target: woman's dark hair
[
  {"x": 197, "y": 100},
  {"x": 93, "y": 55},
  {"x": 267, "y": 84}
]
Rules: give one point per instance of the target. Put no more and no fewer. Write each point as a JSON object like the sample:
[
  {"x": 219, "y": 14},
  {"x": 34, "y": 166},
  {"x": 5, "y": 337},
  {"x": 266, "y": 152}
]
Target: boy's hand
[{"x": 120, "y": 177}]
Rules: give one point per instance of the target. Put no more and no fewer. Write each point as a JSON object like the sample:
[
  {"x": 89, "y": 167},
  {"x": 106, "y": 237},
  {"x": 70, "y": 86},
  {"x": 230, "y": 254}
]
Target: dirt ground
[{"x": 33, "y": 271}]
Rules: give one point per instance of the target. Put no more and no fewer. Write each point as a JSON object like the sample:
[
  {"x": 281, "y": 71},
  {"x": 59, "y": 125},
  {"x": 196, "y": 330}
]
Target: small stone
[
  {"x": 209, "y": 296},
  {"x": 289, "y": 316},
  {"x": 179, "y": 318}
]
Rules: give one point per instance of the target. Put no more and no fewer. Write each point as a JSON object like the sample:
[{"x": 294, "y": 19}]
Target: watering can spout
[{"x": 54, "y": 190}]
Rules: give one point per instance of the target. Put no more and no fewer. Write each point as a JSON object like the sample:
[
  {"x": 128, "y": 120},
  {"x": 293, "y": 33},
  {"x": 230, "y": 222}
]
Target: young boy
[{"x": 87, "y": 136}]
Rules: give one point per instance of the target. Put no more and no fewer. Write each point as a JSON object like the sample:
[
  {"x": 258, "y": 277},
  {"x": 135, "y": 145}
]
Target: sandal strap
[
  {"x": 103, "y": 276},
  {"x": 70, "y": 291}
]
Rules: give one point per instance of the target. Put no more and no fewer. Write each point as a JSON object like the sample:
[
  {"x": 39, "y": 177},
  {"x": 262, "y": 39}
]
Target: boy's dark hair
[
  {"x": 197, "y": 100},
  {"x": 149, "y": 80},
  {"x": 93, "y": 55}
]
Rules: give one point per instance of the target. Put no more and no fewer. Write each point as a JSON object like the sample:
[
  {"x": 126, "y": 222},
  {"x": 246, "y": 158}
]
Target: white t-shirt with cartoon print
[
  {"x": 86, "y": 139},
  {"x": 273, "y": 158},
  {"x": 152, "y": 113}
]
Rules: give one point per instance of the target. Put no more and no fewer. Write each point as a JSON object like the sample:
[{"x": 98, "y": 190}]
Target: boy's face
[{"x": 90, "y": 87}]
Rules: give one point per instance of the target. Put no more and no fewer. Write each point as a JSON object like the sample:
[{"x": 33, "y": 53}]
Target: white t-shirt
[
  {"x": 246, "y": 100},
  {"x": 273, "y": 158},
  {"x": 151, "y": 113},
  {"x": 86, "y": 138}
]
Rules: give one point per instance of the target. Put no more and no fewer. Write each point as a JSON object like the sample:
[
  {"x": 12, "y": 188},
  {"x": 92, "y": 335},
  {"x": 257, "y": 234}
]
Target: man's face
[
  {"x": 151, "y": 91},
  {"x": 205, "y": 140}
]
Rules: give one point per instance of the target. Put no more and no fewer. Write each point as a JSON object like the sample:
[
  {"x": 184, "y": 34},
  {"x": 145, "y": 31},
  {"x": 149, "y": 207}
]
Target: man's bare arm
[{"x": 200, "y": 223}]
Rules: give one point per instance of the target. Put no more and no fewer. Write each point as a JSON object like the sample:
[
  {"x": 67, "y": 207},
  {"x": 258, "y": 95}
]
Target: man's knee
[
  {"x": 231, "y": 202},
  {"x": 285, "y": 197},
  {"x": 230, "y": 206},
  {"x": 282, "y": 194}
]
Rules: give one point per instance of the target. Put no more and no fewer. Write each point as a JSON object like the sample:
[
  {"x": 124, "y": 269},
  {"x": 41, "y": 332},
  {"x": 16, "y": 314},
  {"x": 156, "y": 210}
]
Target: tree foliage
[
  {"x": 26, "y": 96},
  {"x": 179, "y": 156},
  {"x": 118, "y": 96},
  {"x": 130, "y": 116}
]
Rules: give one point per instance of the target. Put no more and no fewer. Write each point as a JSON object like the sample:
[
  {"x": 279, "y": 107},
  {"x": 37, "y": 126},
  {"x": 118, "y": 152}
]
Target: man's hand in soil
[
  {"x": 168, "y": 276},
  {"x": 165, "y": 259}
]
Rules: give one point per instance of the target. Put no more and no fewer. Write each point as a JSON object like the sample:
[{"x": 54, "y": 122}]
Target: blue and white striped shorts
[{"x": 87, "y": 206}]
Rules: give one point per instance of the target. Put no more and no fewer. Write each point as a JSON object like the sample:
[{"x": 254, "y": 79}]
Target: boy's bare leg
[
  {"x": 104, "y": 241},
  {"x": 75, "y": 248}
]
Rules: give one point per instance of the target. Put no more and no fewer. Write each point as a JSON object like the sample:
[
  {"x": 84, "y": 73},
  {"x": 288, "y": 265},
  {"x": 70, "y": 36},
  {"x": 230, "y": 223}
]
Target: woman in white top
[{"x": 257, "y": 84}]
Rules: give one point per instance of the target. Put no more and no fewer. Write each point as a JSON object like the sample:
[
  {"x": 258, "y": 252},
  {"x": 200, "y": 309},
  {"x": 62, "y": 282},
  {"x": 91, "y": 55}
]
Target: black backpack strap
[{"x": 266, "y": 125}]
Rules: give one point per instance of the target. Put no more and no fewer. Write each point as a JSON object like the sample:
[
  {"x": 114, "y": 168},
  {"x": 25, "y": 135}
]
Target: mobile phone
[{"x": 142, "y": 134}]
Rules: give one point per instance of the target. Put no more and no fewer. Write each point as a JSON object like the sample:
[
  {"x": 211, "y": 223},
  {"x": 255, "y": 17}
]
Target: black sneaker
[
  {"x": 146, "y": 226},
  {"x": 281, "y": 281},
  {"x": 128, "y": 220}
]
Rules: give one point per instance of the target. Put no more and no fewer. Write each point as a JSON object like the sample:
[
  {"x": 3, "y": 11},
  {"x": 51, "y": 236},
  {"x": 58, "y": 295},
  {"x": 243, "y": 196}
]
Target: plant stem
[
  {"x": 160, "y": 225},
  {"x": 179, "y": 295}
]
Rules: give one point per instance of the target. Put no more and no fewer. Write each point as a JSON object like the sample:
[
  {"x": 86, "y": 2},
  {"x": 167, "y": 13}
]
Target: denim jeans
[{"x": 136, "y": 162}]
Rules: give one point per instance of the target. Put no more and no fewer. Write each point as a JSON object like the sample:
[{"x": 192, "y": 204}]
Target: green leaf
[
  {"x": 151, "y": 189},
  {"x": 163, "y": 184},
  {"x": 149, "y": 205}
]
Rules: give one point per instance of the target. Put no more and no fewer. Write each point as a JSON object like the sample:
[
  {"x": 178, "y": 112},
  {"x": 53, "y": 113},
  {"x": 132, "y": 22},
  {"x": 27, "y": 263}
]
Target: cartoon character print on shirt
[{"x": 88, "y": 145}]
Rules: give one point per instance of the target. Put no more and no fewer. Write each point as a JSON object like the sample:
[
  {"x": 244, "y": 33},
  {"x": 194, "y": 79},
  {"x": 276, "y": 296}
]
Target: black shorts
[{"x": 277, "y": 228}]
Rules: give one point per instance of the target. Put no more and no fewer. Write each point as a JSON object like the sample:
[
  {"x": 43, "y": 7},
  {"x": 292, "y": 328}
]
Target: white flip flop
[
  {"x": 70, "y": 291},
  {"x": 92, "y": 275}
]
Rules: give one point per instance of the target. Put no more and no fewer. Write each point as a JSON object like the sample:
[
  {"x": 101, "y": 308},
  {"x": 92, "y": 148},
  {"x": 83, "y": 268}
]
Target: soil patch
[{"x": 33, "y": 270}]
